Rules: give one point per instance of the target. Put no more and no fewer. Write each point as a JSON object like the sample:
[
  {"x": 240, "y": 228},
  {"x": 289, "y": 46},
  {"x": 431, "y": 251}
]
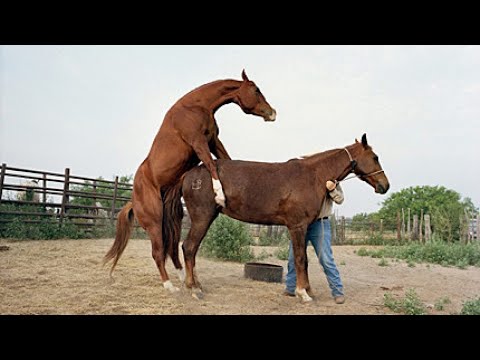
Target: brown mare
[
  {"x": 188, "y": 135},
  {"x": 288, "y": 193}
]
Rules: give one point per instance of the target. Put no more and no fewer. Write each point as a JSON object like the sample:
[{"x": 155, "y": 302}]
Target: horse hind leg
[
  {"x": 178, "y": 266},
  {"x": 159, "y": 255},
  {"x": 190, "y": 248},
  {"x": 299, "y": 252}
]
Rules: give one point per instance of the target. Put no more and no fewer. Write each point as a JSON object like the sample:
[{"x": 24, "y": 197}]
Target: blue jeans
[{"x": 323, "y": 249}]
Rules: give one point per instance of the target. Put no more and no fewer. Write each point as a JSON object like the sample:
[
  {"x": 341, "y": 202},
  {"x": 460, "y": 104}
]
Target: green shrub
[
  {"x": 471, "y": 307},
  {"x": 436, "y": 252},
  {"x": 440, "y": 303},
  {"x": 107, "y": 230},
  {"x": 227, "y": 239},
  {"x": 282, "y": 252},
  {"x": 409, "y": 305},
  {"x": 363, "y": 252},
  {"x": 375, "y": 240},
  {"x": 383, "y": 262},
  {"x": 45, "y": 229},
  {"x": 275, "y": 240}
]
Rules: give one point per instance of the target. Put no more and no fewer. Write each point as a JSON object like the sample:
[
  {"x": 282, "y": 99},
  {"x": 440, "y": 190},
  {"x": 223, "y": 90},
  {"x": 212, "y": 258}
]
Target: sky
[{"x": 97, "y": 109}]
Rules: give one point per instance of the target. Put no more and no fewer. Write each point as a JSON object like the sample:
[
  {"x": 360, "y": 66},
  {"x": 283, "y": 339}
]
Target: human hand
[{"x": 331, "y": 185}]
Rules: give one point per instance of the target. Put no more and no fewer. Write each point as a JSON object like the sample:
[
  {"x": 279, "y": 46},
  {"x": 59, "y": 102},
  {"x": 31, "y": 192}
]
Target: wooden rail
[{"x": 30, "y": 195}]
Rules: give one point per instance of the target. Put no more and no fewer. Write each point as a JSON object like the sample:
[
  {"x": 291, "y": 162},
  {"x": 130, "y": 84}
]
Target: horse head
[
  {"x": 251, "y": 100},
  {"x": 367, "y": 166}
]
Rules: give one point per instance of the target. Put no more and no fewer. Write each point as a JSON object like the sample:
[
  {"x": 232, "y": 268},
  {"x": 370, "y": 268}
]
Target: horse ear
[
  {"x": 364, "y": 140},
  {"x": 244, "y": 75}
]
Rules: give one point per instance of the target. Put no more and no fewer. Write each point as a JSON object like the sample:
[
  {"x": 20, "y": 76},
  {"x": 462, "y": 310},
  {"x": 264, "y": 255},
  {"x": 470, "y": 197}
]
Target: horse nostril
[
  {"x": 273, "y": 115},
  {"x": 383, "y": 190}
]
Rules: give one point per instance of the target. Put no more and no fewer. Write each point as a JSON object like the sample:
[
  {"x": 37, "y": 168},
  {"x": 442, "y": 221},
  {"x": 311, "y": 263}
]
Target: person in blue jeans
[{"x": 319, "y": 234}]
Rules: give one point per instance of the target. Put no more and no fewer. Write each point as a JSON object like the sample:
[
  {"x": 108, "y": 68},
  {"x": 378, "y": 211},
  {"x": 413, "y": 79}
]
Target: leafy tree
[
  {"x": 359, "y": 221},
  {"x": 444, "y": 205}
]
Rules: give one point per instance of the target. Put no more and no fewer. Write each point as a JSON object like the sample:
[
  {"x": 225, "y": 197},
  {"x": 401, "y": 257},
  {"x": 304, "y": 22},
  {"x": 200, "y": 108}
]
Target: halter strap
[
  {"x": 353, "y": 163},
  {"x": 348, "y": 152},
  {"x": 348, "y": 169}
]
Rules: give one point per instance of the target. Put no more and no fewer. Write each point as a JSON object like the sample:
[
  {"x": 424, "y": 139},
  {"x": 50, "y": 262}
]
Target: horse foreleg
[
  {"x": 300, "y": 253},
  {"x": 219, "y": 150},
  {"x": 203, "y": 152}
]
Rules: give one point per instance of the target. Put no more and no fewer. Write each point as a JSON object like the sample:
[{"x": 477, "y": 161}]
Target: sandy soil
[{"x": 66, "y": 277}]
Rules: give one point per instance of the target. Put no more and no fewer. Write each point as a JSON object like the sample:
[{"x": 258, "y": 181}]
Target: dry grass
[{"x": 66, "y": 277}]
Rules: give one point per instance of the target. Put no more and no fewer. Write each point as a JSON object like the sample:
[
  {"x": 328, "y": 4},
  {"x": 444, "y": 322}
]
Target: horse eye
[
  {"x": 257, "y": 90},
  {"x": 375, "y": 158}
]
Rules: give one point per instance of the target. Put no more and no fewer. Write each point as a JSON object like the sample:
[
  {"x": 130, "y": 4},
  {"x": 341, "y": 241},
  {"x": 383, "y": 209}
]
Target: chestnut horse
[
  {"x": 288, "y": 193},
  {"x": 188, "y": 135}
]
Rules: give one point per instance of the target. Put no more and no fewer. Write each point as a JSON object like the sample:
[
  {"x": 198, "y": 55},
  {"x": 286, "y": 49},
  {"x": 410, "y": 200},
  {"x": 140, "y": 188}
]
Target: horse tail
[
  {"x": 124, "y": 228},
  {"x": 172, "y": 219}
]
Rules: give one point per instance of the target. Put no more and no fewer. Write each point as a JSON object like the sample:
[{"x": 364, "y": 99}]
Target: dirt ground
[{"x": 66, "y": 277}]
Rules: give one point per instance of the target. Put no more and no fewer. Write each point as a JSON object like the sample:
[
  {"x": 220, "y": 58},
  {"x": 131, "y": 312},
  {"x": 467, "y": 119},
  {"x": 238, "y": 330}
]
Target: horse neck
[
  {"x": 213, "y": 95},
  {"x": 332, "y": 164}
]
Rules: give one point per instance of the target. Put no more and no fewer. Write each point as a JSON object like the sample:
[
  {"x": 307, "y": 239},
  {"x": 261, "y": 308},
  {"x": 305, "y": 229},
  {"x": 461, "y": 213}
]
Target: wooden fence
[
  {"x": 38, "y": 194},
  {"x": 35, "y": 195}
]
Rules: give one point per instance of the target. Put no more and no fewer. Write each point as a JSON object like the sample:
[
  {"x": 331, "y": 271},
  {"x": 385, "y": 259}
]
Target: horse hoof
[
  {"x": 302, "y": 294},
  {"x": 169, "y": 286},
  {"x": 181, "y": 274},
  {"x": 197, "y": 295},
  {"x": 306, "y": 300}
]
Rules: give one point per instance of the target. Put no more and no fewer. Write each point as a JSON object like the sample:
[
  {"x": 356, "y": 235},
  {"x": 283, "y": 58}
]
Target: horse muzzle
[
  {"x": 271, "y": 117},
  {"x": 381, "y": 189}
]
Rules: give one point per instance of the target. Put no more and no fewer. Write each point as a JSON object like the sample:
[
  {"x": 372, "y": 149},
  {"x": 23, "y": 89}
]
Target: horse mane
[
  {"x": 327, "y": 152},
  {"x": 230, "y": 85},
  {"x": 321, "y": 153}
]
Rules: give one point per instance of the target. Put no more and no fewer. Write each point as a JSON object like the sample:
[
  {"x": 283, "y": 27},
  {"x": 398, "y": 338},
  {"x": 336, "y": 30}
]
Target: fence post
[
  {"x": 409, "y": 232},
  {"x": 44, "y": 191},
  {"x": 468, "y": 219},
  {"x": 66, "y": 189},
  {"x": 478, "y": 227},
  {"x": 421, "y": 226},
  {"x": 115, "y": 190},
  {"x": 275, "y": 231},
  {"x": 403, "y": 224},
  {"x": 399, "y": 236},
  {"x": 463, "y": 230},
  {"x": 95, "y": 202},
  {"x": 415, "y": 227},
  {"x": 2, "y": 179},
  {"x": 336, "y": 233},
  {"x": 428, "y": 230},
  {"x": 269, "y": 231}
]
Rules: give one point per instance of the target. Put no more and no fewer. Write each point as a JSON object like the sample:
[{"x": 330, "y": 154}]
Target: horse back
[{"x": 268, "y": 193}]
